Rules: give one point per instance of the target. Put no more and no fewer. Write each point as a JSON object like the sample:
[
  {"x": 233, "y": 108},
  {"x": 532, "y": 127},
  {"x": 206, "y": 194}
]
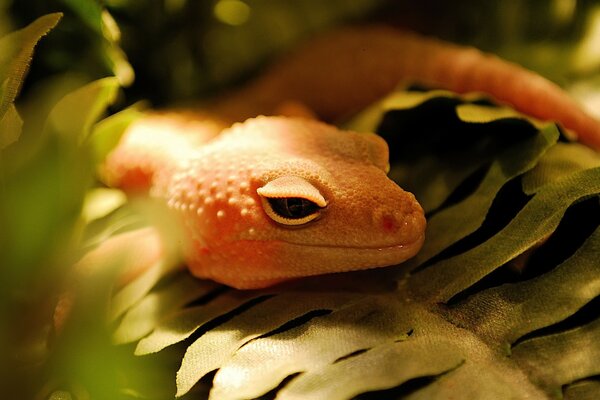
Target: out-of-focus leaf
[
  {"x": 134, "y": 291},
  {"x": 106, "y": 37},
  {"x": 479, "y": 114},
  {"x": 587, "y": 389},
  {"x": 180, "y": 325},
  {"x": 106, "y": 133},
  {"x": 99, "y": 202},
  {"x": 145, "y": 315},
  {"x": 90, "y": 11},
  {"x": 10, "y": 126},
  {"x": 16, "y": 50},
  {"x": 76, "y": 113}
]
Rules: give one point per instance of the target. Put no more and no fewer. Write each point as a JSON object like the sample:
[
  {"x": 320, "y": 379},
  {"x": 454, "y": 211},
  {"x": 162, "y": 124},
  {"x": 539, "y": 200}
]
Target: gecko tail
[
  {"x": 341, "y": 73},
  {"x": 466, "y": 69},
  {"x": 153, "y": 146}
]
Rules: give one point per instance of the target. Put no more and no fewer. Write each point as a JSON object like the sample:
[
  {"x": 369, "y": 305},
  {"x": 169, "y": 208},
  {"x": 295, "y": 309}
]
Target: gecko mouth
[
  {"x": 417, "y": 241},
  {"x": 328, "y": 258},
  {"x": 286, "y": 260}
]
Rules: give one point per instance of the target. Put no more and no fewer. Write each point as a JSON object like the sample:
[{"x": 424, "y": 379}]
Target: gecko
[{"x": 263, "y": 198}]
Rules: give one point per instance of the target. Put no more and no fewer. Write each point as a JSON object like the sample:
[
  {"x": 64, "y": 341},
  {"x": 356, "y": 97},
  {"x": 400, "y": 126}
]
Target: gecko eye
[
  {"x": 291, "y": 200},
  {"x": 290, "y": 210}
]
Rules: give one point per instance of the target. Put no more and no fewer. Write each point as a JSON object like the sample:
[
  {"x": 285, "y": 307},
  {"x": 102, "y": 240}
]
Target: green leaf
[
  {"x": 457, "y": 221},
  {"x": 16, "y": 50},
  {"x": 538, "y": 219},
  {"x": 100, "y": 202},
  {"x": 90, "y": 11},
  {"x": 563, "y": 291},
  {"x": 403, "y": 361},
  {"x": 561, "y": 161},
  {"x": 136, "y": 290},
  {"x": 142, "y": 318},
  {"x": 106, "y": 133},
  {"x": 563, "y": 357},
  {"x": 75, "y": 114},
  {"x": 11, "y": 125},
  {"x": 215, "y": 347}
]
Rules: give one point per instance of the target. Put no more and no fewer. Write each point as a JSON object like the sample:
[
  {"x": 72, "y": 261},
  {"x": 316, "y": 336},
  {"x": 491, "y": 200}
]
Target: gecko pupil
[{"x": 293, "y": 207}]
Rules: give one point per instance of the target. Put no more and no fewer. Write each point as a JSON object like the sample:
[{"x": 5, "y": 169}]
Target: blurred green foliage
[{"x": 186, "y": 50}]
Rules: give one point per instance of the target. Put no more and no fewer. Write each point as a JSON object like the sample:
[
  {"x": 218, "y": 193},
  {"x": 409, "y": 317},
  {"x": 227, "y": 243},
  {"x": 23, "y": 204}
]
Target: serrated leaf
[
  {"x": 561, "y": 161},
  {"x": 355, "y": 327},
  {"x": 181, "y": 325},
  {"x": 212, "y": 349},
  {"x": 562, "y": 358},
  {"x": 16, "y": 50},
  {"x": 508, "y": 312},
  {"x": 403, "y": 361},
  {"x": 535, "y": 221},
  {"x": 136, "y": 290},
  {"x": 449, "y": 149},
  {"x": 142, "y": 318},
  {"x": 459, "y": 220}
]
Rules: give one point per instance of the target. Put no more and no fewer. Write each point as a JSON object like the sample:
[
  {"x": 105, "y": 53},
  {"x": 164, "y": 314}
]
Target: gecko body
[{"x": 276, "y": 198}]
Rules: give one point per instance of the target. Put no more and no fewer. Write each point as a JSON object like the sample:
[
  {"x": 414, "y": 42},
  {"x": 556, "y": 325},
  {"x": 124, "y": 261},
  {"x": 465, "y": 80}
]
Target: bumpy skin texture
[{"x": 368, "y": 221}]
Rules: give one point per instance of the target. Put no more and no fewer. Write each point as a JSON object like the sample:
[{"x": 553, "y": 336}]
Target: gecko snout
[{"x": 403, "y": 225}]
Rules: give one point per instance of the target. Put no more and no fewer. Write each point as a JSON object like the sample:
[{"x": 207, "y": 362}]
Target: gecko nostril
[{"x": 389, "y": 223}]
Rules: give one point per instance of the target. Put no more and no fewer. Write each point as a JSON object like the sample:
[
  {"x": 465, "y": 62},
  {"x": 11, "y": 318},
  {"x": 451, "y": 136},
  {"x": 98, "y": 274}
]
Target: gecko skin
[{"x": 276, "y": 198}]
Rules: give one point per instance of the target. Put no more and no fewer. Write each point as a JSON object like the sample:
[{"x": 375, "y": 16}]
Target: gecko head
[{"x": 313, "y": 200}]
